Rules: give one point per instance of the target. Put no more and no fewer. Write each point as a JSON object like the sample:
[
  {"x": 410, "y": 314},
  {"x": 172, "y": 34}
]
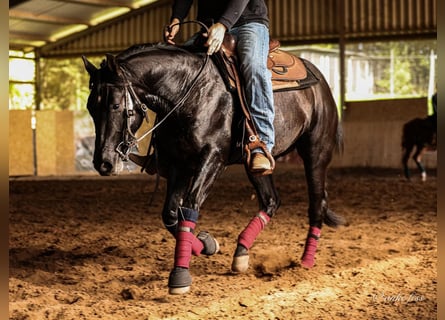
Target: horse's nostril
[{"x": 105, "y": 168}]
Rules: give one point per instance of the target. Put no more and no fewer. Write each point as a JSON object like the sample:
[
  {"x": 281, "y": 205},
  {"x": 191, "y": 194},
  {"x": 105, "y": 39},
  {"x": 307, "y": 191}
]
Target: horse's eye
[{"x": 115, "y": 106}]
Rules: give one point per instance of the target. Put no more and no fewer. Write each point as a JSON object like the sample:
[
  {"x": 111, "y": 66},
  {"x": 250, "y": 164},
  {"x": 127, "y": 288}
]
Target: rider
[{"x": 248, "y": 21}]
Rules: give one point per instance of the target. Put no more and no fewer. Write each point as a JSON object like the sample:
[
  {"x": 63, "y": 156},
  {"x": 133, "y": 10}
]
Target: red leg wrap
[
  {"x": 310, "y": 248},
  {"x": 184, "y": 242},
  {"x": 253, "y": 229}
]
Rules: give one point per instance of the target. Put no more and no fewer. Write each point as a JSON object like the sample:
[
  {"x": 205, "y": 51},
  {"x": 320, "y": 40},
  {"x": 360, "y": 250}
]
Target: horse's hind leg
[
  {"x": 316, "y": 158},
  {"x": 406, "y": 153},
  {"x": 269, "y": 202},
  {"x": 417, "y": 157}
]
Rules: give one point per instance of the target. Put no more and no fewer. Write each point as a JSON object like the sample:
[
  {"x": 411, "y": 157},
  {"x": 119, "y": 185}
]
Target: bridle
[{"x": 131, "y": 100}]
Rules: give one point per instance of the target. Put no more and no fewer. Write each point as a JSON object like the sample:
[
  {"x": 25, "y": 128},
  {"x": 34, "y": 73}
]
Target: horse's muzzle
[{"x": 105, "y": 168}]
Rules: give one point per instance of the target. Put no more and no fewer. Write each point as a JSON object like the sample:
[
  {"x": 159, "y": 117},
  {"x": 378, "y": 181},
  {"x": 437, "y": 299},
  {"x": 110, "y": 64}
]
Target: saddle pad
[
  {"x": 285, "y": 66},
  {"x": 297, "y": 84}
]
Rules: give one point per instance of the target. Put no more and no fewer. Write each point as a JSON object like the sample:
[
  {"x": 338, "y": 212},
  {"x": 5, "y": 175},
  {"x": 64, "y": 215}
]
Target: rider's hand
[
  {"x": 215, "y": 37},
  {"x": 171, "y": 31}
]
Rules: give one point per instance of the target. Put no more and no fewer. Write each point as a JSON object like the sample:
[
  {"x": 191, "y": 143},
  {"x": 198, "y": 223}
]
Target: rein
[{"x": 129, "y": 138}]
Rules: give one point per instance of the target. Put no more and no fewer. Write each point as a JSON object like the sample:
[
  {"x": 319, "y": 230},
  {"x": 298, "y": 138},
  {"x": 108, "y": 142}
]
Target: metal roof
[
  {"x": 72, "y": 27},
  {"x": 35, "y": 23}
]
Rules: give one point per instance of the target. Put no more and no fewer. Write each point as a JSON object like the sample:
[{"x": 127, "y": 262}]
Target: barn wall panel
[
  {"x": 376, "y": 144},
  {"x": 373, "y": 130},
  {"x": 54, "y": 149},
  {"x": 55, "y": 142},
  {"x": 21, "y": 153}
]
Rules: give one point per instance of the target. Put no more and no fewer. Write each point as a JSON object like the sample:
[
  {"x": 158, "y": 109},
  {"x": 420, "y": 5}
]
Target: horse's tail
[
  {"x": 409, "y": 131},
  {"x": 332, "y": 219},
  {"x": 404, "y": 142},
  {"x": 339, "y": 141}
]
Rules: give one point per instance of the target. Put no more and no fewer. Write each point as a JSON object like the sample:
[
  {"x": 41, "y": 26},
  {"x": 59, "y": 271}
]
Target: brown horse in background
[{"x": 419, "y": 134}]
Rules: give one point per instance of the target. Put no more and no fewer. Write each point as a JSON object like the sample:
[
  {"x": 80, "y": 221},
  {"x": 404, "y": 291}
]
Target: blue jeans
[{"x": 253, "y": 49}]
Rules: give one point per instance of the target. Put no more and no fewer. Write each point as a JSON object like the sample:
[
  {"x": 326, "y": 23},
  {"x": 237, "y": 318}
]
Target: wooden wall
[{"x": 51, "y": 152}]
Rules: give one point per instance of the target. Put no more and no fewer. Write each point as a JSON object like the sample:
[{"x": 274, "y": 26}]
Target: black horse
[
  {"x": 197, "y": 136},
  {"x": 419, "y": 134}
]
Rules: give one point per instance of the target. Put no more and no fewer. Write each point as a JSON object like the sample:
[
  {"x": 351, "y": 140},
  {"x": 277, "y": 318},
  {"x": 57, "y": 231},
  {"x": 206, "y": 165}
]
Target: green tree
[
  {"x": 406, "y": 71},
  {"x": 64, "y": 84}
]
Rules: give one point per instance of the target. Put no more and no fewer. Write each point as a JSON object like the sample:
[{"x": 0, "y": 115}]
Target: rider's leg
[{"x": 253, "y": 50}]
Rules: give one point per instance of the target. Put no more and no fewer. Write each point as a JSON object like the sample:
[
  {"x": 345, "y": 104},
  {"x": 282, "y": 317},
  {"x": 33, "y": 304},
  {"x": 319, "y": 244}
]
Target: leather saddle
[{"x": 288, "y": 71}]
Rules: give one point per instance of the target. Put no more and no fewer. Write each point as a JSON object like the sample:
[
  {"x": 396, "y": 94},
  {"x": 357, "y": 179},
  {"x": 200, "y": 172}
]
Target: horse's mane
[{"x": 148, "y": 47}]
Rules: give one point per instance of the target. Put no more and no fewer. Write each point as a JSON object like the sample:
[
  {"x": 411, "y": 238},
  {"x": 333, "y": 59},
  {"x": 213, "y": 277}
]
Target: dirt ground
[{"x": 89, "y": 247}]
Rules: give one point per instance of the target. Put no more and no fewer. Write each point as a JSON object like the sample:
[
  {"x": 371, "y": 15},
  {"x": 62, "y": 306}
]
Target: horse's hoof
[
  {"x": 178, "y": 291},
  {"x": 240, "y": 264},
  {"x": 211, "y": 245},
  {"x": 179, "y": 281}
]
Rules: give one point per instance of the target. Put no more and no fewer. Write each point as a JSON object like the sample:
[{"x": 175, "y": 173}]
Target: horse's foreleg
[
  {"x": 179, "y": 281},
  {"x": 240, "y": 261},
  {"x": 187, "y": 243},
  {"x": 269, "y": 203},
  {"x": 198, "y": 185},
  {"x": 175, "y": 197}
]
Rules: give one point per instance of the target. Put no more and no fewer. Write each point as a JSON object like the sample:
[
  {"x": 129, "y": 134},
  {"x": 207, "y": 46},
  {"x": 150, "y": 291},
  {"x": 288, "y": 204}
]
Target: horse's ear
[
  {"x": 112, "y": 63},
  {"x": 88, "y": 65}
]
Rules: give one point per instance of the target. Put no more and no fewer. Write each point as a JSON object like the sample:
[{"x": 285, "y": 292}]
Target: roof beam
[
  {"x": 27, "y": 36},
  {"x": 15, "y": 3},
  {"x": 101, "y": 3},
  {"x": 44, "y": 18}
]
